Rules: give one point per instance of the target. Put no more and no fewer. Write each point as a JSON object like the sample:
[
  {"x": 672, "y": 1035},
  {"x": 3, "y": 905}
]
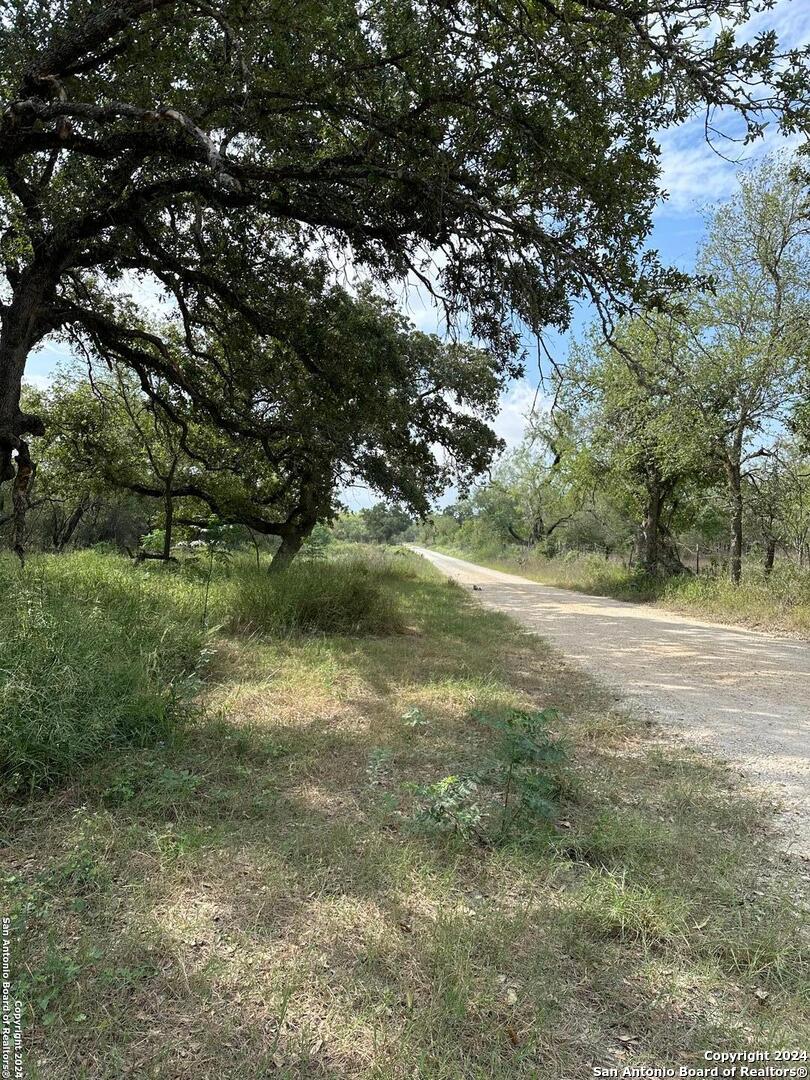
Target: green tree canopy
[
  {"x": 384, "y": 523},
  {"x": 641, "y": 435}
]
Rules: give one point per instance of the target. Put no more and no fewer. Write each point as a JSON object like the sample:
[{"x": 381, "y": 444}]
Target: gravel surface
[{"x": 741, "y": 694}]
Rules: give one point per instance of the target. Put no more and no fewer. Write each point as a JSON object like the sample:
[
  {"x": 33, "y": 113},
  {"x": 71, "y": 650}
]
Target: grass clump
[
  {"x": 613, "y": 904},
  {"x": 341, "y": 596}
]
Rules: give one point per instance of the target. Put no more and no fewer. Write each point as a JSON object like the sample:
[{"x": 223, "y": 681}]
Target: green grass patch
[
  {"x": 341, "y": 596},
  {"x": 92, "y": 656},
  {"x": 97, "y": 653}
]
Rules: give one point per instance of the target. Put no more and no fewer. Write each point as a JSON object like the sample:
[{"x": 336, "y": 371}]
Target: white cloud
[
  {"x": 789, "y": 18},
  {"x": 39, "y": 382},
  {"x": 692, "y": 174},
  {"x": 516, "y": 406},
  {"x": 358, "y": 497},
  {"x": 695, "y": 171},
  {"x": 42, "y": 364},
  {"x": 695, "y": 174}
]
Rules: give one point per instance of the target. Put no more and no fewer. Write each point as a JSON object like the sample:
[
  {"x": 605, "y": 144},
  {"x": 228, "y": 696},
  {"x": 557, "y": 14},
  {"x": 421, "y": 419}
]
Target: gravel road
[{"x": 741, "y": 694}]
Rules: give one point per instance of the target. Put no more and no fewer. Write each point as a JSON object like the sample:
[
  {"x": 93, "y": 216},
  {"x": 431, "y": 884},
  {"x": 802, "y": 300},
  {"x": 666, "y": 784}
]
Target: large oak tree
[{"x": 270, "y": 434}]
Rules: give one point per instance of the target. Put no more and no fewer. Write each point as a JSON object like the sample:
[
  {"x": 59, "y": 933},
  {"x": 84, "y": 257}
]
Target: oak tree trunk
[
  {"x": 770, "y": 555},
  {"x": 736, "y": 522},
  {"x": 293, "y": 538},
  {"x": 650, "y": 530},
  {"x": 20, "y": 330},
  {"x": 291, "y": 544},
  {"x": 167, "y": 530},
  {"x": 63, "y": 531},
  {"x": 22, "y": 486},
  {"x": 19, "y": 333}
]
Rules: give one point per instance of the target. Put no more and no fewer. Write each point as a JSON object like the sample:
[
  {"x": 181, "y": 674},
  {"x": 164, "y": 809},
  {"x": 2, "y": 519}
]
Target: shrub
[
  {"x": 335, "y": 597},
  {"x": 519, "y": 784},
  {"x": 93, "y": 655},
  {"x": 451, "y": 803}
]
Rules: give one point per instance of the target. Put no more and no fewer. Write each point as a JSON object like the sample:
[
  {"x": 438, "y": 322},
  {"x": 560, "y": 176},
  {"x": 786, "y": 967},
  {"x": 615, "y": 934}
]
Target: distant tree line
[{"x": 381, "y": 523}]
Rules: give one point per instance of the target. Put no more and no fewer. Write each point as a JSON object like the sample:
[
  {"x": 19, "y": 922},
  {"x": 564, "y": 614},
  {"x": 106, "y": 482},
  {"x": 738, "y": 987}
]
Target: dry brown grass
[{"x": 251, "y": 901}]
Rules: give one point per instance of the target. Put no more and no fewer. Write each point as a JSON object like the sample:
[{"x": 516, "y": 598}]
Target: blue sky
[
  {"x": 677, "y": 235},
  {"x": 695, "y": 178}
]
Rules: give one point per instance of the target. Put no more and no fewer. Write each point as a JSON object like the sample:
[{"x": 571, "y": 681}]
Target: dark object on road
[{"x": 477, "y": 588}]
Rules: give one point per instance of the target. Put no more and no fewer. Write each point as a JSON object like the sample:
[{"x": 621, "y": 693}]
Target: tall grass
[
  {"x": 337, "y": 596},
  {"x": 97, "y": 653},
  {"x": 779, "y": 601},
  {"x": 579, "y": 570},
  {"x": 91, "y": 657},
  {"x": 588, "y": 572}
]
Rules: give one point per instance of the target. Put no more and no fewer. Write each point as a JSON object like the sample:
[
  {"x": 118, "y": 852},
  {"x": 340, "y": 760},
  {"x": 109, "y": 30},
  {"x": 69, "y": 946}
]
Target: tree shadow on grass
[{"x": 247, "y": 903}]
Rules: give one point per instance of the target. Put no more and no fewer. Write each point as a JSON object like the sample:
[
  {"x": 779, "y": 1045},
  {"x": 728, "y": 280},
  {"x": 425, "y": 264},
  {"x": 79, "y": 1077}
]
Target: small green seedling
[{"x": 415, "y": 718}]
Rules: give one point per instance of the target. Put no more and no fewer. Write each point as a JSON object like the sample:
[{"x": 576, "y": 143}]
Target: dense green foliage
[
  {"x": 217, "y": 777},
  {"x": 92, "y": 657},
  {"x": 378, "y": 524},
  {"x": 395, "y": 397}
]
